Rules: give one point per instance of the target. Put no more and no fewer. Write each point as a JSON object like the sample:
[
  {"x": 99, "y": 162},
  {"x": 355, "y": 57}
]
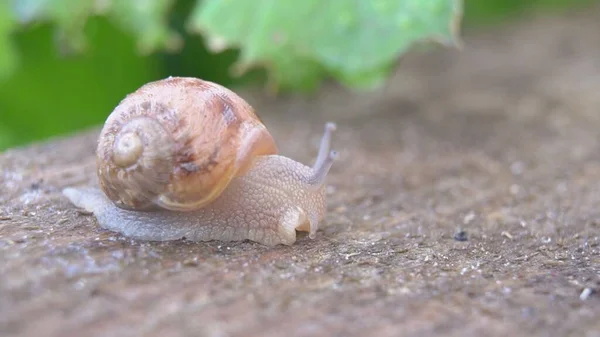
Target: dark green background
[{"x": 52, "y": 94}]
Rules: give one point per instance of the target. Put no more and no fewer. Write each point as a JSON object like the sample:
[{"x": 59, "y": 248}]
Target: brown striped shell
[{"x": 176, "y": 143}]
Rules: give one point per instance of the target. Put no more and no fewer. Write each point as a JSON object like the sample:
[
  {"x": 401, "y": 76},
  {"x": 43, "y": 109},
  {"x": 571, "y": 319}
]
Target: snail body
[{"x": 188, "y": 158}]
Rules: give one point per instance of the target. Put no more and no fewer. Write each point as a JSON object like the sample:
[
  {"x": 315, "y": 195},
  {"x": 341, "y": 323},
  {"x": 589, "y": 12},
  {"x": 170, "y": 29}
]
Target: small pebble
[
  {"x": 460, "y": 235},
  {"x": 36, "y": 185},
  {"x": 468, "y": 218},
  {"x": 192, "y": 262},
  {"x": 585, "y": 294}
]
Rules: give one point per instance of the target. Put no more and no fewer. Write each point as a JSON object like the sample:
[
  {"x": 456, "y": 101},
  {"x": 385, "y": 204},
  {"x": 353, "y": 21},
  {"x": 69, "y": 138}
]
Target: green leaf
[
  {"x": 349, "y": 39},
  {"x": 69, "y": 16},
  {"x": 147, "y": 20},
  {"x": 369, "y": 79},
  {"x": 294, "y": 73}
]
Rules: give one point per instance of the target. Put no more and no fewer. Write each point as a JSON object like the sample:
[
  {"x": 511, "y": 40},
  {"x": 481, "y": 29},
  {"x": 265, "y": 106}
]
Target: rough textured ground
[{"x": 499, "y": 140}]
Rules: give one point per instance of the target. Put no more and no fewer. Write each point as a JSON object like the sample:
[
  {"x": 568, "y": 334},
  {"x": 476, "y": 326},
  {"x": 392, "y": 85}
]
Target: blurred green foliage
[
  {"x": 65, "y": 64},
  {"x": 303, "y": 41}
]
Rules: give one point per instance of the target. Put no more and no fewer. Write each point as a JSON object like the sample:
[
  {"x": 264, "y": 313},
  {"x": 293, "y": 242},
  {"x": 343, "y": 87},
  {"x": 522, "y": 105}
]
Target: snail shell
[{"x": 176, "y": 144}]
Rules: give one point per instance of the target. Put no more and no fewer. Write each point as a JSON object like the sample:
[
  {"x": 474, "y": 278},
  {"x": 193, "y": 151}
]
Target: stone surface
[{"x": 464, "y": 203}]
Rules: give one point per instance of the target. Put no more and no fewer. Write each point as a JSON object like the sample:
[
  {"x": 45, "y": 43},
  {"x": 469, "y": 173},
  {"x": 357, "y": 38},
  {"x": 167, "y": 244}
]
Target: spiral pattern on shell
[{"x": 176, "y": 143}]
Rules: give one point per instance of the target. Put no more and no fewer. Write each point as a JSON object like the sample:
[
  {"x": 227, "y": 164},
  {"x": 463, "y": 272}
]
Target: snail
[{"x": 187, "y": 158}]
